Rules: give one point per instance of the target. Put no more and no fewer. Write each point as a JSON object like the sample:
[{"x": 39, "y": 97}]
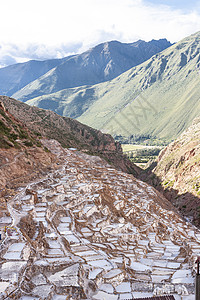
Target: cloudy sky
[{"x": 43, "y": 29}]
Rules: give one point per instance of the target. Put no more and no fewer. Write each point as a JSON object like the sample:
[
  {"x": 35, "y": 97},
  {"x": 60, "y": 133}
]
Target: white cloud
[{"x": 49, "y": 28}]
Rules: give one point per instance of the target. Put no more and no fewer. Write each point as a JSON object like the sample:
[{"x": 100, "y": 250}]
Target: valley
[
  {"x": 141, "y": 155},
  {"x": 99, "y": 173}
]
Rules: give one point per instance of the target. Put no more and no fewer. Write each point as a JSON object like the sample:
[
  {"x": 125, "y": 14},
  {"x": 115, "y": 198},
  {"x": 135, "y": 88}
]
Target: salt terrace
[{"x": 88, "y": 231}]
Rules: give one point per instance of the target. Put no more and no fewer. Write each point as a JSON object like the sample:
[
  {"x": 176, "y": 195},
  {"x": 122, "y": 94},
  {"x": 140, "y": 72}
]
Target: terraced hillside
[
  {"x": 159, "y": 98},
  {"x": 88, "y": 231}
]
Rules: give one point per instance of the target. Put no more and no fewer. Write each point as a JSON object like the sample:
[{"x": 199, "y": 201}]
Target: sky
[{"x": 44, "y": 29}]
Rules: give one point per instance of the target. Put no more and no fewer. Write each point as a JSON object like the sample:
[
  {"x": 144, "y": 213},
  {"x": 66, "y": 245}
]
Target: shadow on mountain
[{"x": 187, "y": 204}]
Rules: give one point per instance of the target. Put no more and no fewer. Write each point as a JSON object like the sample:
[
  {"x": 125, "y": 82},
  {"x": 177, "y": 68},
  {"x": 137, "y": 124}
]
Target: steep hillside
[
  {"x": 15, "y": 77},
  {"x": 22, "y": 155},
  {"x": 101, "y": 63},
  {"x": 13, "y": 133},
  {"x": 88, "y": 231},
  {"x": 159, "y": 97},
  {"x": 69, "y": 132},
  {"x": 178, "y": 172}
]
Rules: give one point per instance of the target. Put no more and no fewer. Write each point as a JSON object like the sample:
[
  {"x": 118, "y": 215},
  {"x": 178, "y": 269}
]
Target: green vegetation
[
  {"x": 141, "y": 154},
  {"x": 46, "y": 149},
  {"x": 196, "y": 187},
  {"x": 28, "y": 143},
  {"x": 141, "y": 139},
  {"x": 7, "y": 137},
  {"x": 168, "y": 183},
  {"x": 23, "y": 134}
]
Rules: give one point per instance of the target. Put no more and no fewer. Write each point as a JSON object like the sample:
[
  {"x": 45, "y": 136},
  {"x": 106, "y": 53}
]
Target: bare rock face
[
  {"x": 177, "y": 170},
  {"x": 94, "y": 233}
]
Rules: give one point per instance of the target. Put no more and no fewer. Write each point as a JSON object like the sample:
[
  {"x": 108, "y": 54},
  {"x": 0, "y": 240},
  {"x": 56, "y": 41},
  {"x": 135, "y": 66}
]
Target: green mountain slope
[{"x": 159, "y": 97}]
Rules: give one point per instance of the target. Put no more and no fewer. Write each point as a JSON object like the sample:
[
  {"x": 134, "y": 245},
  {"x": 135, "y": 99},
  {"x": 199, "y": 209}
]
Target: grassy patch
[{"x": 141, "y": 154}]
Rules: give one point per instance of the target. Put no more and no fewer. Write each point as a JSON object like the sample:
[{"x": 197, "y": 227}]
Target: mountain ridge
[
  {"x": 100, "y": 63},
  {"x": 165, "y": 84},
  {"x": 15, "y": 77}
]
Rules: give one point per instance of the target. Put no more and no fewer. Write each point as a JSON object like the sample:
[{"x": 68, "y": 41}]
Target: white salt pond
[
  {"x": 88, "y": 236},
  {"x": 125, "y": 296},
  {"x": 3, "y": 286},
  {"x": 16, "y": 247},
  {"x": 112, "y": 273},
  {"x": 93, "y": 274},
  {"x": 29, "y": 298},
  {"x": 102, "y": 295},
  {"x": 139, "y": 267},
  {"x": 124, "y": 287},
  {"x": 12, "y": 255}
]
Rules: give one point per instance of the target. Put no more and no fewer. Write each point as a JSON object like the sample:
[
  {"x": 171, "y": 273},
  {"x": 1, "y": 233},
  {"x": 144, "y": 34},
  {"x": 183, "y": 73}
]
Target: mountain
[
  {"x": 159, "y": 98},
  {"x": 15, "y": 77},
  {"x": 69, "y": 132},
  {"x": 101, "y": 63},
  {"x": 88, "y": 231},
  {"x": 177, "y": 172}
]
